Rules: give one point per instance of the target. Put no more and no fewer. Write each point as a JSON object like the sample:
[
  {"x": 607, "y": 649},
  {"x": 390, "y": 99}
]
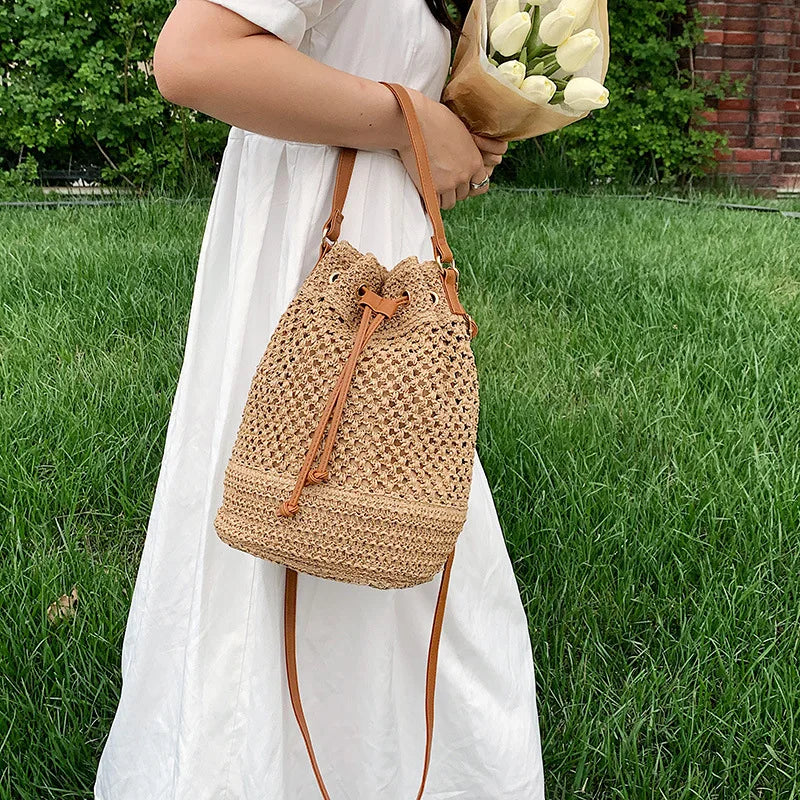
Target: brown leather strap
[
  {"x": 333, "y": 225},
  {"x": 430, "y": 196},
  {"x": 433, "y": 663},
  {"x": 290, "y": 642}
]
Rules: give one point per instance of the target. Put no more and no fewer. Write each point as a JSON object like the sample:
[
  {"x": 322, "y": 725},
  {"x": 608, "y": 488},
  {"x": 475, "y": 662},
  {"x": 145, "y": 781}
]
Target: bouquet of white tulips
[{"x": 522, "y": 69}]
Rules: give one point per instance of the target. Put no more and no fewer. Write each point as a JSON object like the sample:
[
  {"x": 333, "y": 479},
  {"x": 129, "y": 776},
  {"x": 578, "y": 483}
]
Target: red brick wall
[{"x": 759, "y": 41}]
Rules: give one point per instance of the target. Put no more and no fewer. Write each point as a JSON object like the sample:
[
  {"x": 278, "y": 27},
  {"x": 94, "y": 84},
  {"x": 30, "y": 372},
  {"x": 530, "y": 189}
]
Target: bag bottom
[{"x": 339, "y": 534}]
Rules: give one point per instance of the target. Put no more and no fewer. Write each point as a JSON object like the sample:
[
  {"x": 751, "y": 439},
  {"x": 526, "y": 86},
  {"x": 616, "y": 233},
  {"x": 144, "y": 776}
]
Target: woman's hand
[
  {"x": 456, "y": 156},
  {"x": 492, "y": 150}
]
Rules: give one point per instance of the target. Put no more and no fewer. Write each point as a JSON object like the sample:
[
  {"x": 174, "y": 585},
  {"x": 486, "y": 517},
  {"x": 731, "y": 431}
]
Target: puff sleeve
[{"x": 287, "y": 19}]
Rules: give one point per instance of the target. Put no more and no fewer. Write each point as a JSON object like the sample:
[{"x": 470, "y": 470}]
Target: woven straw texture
[{"x": 399, "y": 477}]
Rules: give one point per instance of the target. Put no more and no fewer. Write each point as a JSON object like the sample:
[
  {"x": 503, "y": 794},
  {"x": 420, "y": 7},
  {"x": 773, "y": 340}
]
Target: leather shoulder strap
[
  {"x": 430, "y": 197},
  {"x": 290, "y": 644},
  {"x": 333, "y": 225}
]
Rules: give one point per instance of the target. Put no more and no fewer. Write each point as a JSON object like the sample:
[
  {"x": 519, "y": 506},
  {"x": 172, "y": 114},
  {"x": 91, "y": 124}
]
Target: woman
[{"x": 204, "y": 711}]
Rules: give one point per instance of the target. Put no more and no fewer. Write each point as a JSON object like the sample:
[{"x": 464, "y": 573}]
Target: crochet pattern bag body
[{"x": 354, "y": 456}]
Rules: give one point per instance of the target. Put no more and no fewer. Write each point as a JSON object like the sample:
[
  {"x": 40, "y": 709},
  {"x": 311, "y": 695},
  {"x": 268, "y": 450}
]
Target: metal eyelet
[
  {"x": 333, "y": 276},
  {"x": 434, "y": 298}
]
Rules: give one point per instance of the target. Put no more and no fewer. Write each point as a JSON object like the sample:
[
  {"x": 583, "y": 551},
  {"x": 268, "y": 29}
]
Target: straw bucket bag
[{"x": 354, "y": 455}]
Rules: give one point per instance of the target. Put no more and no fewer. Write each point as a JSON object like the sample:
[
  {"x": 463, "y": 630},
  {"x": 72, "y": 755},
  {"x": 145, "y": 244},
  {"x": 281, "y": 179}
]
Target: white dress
[{"x": 204, "y": 712}]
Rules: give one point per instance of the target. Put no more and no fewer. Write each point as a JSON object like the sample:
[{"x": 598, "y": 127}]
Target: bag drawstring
[{"x": 376, "y": 309}]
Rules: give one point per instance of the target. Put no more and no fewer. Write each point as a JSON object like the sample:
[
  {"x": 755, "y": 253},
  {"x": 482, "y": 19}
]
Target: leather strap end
[
  {"x": 442, "y": 250},
  {"x": 334, "y": 224}
]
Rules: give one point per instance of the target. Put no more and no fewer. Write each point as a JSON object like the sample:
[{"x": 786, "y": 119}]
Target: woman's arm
[{"x": 213, "y": 60}]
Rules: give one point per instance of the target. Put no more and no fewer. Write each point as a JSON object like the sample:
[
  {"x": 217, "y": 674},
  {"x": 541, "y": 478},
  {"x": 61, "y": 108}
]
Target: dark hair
[{"x": 441, "y": 10}]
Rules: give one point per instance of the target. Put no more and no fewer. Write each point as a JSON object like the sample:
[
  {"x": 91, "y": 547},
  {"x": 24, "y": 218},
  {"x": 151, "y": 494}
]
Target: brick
[
  {"x": 732, "y": 116},
  {"x": 762, "y": 142},
  {"x": 710, "y": 50},
  {"x": 773, "y": 65},
  {"x": 734, "y": 38},
  {"x": 774, "y": 51},
  {"x": 791, "y": 155},
  {"x": 765, "y": 130},
  {"x": 712, "y": 9},
  {"x": 736, "y": 129},
  {"x": 739, "y": 65},
  {"x": 768, "y": 116},
  {"x": 735, "y": 168},
  {"x": 775, "y": 11},
  {"x": 738, "y": 51},
  {"x": 776, "y": 38},
  {"x": 708, "y": 64},
  {"x": 751, "y": 154},
  {"x": 735, "y": 104},
  {"x": 734, "y": 15},
  {"x": 789, "y": 183},
  {"x": 772, "y": 78},
  {"x": 778, "y": 25},
  {"x": 791, "y": 142},
  {"x": 737, "y": 26},
  {"x": 771, "y": 98},
  {"x": 715, "y": 37}
]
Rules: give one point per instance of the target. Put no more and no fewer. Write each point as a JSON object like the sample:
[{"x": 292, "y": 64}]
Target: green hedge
[
  {"x": 75, "y": 91},
  {"x": 653, "y": 129}
]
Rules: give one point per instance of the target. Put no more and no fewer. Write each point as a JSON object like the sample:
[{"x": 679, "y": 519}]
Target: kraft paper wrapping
[{"x": 489, "y": 106}]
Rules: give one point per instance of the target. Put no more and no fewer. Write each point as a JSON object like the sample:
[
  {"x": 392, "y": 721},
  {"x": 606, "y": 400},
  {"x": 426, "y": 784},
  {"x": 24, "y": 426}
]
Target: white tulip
[
  {"x": 501, "y": 12},
  {"x": 513, "y": 72},
  {"x": 557, "y": 26},
  {"x": 538, "y": 88},
  {"x": 585, "y": 94},
  {"x": 582, "y": 9},
  {"x": 509, "y": 36},
  {"x": 577, "y": 50}
]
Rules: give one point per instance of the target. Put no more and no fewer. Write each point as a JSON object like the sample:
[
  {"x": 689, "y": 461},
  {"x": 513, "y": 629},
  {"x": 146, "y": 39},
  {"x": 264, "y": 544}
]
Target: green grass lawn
[{"x": 640, "y": 379}]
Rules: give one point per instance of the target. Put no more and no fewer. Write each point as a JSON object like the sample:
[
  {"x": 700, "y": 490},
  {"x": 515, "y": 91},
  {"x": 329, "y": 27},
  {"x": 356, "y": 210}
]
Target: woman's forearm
[{"x": 214, "y": 61}]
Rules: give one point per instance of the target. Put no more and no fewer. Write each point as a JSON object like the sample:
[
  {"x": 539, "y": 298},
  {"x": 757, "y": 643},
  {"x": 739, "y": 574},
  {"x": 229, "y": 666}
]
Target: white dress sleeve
[{"x": 287, "y": 19}]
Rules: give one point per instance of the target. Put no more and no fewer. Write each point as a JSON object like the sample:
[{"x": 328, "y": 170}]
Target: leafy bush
[
  {"x": 16, "y": 182},
  {"x": 76, "y": 88},
  {"x": 652, "y": 129}
]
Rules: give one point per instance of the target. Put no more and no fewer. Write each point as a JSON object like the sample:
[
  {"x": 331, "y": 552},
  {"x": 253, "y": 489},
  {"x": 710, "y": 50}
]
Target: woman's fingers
[
  {"x": 495, "y": 146},
  {"x": 462, "y": 191},
  {"x": 492, "y": 150},
  {"x": 478, "y": 178},
  {"x": 447, "y": 199}
]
